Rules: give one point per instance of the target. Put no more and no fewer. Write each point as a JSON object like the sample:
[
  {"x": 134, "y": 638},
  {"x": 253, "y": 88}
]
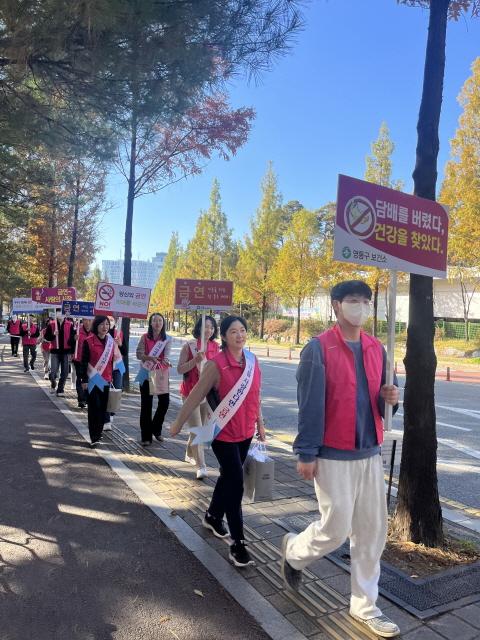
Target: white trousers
[{"x": 352, "y": 502}]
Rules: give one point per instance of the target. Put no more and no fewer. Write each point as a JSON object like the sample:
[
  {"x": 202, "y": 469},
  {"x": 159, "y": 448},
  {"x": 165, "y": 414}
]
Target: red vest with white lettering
[
  {"x": 13, "y": 328},
  {"x": 97, "y": 348},
  {"x": 82, "y": 336},
  {"x": 242, "y": 425},
  {"x": 192, "y": 376},
  {"x": 341, "y": 386},
  {"x": 67, "y": 330}
]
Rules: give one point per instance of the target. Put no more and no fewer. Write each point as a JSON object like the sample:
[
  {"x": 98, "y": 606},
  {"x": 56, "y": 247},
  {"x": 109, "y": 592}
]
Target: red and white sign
[
  {"x": 53, "y": 296},
  {"x": 203, "y": 294},
  {"x": 121, "y": 300},
  {"x": 385, "y": 228}
]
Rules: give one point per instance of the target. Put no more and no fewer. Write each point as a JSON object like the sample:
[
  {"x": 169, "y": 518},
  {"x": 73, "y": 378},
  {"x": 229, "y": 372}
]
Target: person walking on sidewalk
[
  {"x": 234, "y": 378},
  {"x": 189, "y": 365},
  {"x": 13, "y": 329},
  {"x": 61, "y": 335},
  {"x": 118, "y": 370},
  {"x": 96, "y": 372},
  {"x": 84, "y": 332},
  {"x": 45, "y": 350},
  {"x": 30, "y": 335},
  {"x": 341, "y": 399},
  {"x": 153, "y": 351}
]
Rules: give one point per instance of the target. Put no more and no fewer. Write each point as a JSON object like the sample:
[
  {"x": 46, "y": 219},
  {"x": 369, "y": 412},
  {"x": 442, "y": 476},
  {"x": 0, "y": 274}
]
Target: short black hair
[
  {"x": 97, "y": 321},
  {"x": 163, "y": 332},
  {"x": 197, "y": 329},
  {"x": 350, "y": 288},
  {"x": 225, "y": 325}
]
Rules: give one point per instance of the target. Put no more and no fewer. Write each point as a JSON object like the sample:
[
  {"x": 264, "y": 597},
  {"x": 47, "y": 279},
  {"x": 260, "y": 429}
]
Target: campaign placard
[
  {"x": 26, "y": 305},
  {"x": 389, "y": 229},
  {"x": 50, "y": 297},
  {"x": 78, "y": 308},
  {"x": 203, "y": 294},
  {"x": 122, "y": 300}
]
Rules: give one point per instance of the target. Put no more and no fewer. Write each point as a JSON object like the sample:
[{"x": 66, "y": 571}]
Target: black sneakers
[
  {"x": 292, "y": 577},
  {"x": 239, "y": 554},
  {"x": 215, "y": 525}
]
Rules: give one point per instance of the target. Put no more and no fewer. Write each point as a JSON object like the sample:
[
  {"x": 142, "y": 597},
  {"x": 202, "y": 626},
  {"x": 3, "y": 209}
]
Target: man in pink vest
[
  {"x": 341, "y": 399},
  {"x": 61, "y": 335}
]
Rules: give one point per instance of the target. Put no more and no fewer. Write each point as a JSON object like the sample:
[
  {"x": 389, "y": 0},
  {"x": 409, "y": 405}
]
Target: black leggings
[
  {"x": 149, "y": 427},
  {"x": 97, "y": 406},
  {"x": 228, "y": 492}
]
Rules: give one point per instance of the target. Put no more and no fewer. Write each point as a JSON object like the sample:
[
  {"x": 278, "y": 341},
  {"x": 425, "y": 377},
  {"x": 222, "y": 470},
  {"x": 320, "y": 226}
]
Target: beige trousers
[
  {"x": 352, "y": 502},
  {"x": 196, "y": 451}
]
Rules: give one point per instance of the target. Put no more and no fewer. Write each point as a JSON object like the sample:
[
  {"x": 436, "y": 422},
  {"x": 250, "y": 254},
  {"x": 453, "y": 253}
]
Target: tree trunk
[
  {"x": 375, "y": 307},
  {"x": 73, "y": 249},
  {"x": 53, "y": 241},
  {"x": 127, "y": 263},
  {"x": 299, "y": 302},
  {"x": 262, "y": 317},
  {"x": 418, "y": 516}
]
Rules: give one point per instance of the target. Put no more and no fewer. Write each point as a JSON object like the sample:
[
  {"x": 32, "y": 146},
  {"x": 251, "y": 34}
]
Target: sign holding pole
[{"x": 385, "y": 228}]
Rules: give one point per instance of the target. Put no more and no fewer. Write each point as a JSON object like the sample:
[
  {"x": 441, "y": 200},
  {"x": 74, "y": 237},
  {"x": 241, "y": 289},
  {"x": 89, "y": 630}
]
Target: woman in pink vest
[
  {"x": 13, "y": 329},
  {"x": 225, "y": 375},
  {"x": 117, "y": 335},
  {"x": 189, "y": 365},
  {"x": 29, "y": 343},
  {"x": 97, "y": 373},
  {"x": 84, "y": 332},
  {"x": 153, "y": 351}
]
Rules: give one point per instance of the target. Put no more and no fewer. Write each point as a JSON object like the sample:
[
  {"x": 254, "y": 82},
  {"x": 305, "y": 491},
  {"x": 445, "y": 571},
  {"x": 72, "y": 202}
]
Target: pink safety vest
[
  {"x": 242, "y": 425},
  {"x": 25, "y": 339},
  {"x": 67, "y": 329},
  {"x": 97, "y": 347},
  {"x": 82, "y": 336},
  {"x": 192, "y": 377},
  {"x": 341, "y": 386},
  {"x": 149, "y": 344},
  {"x": 13, "y": 328}
]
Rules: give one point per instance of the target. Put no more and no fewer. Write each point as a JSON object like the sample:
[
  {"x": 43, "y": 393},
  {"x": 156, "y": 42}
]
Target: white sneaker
[
  {"x": 72, "y": 386},
  {"x": 189, "y": 459},
  {"x": 381, "y": 625},
  {"x": 46, "y": 377},
  {"x": 202, "y": 473},
  {"x": 108, "y": 426}
]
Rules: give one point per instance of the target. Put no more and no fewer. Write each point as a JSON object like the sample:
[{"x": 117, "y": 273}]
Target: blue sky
[{"x": 355, "y": 64}]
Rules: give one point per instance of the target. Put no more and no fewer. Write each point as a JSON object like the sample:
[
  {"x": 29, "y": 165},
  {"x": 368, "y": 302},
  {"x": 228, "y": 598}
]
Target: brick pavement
[{"x": 320, "y": 610}]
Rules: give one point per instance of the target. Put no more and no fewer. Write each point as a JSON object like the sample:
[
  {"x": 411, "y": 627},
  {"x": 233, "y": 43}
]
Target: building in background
[{"x": 144, "y": 272}]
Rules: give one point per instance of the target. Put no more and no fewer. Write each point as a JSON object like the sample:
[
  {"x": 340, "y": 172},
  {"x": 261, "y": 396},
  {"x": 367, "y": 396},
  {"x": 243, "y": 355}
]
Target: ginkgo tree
[
  {"x": 295, "y": 273},
  {"x": 461, "y": 192}
]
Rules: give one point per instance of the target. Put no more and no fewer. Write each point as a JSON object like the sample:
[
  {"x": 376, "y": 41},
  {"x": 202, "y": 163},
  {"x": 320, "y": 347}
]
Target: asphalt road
[{"x": 458, "y": 422}]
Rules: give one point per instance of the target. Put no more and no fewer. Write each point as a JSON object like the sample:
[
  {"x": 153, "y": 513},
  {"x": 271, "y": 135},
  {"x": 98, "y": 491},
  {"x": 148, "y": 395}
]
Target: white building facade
[{"x": 144, "y": 272}]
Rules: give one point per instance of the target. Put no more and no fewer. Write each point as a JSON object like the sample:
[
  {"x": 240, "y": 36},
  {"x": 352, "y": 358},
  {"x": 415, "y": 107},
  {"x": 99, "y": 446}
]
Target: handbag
[
  {"x": 114, "y": 400},
  {"x": 258, "y": 474},
  {"x": 155, "y": 382}
]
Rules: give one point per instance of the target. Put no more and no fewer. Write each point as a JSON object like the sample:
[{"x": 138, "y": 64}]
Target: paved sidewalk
[
  {"x": 320, "y": 611},
  {"x": 81, "y": 558}
]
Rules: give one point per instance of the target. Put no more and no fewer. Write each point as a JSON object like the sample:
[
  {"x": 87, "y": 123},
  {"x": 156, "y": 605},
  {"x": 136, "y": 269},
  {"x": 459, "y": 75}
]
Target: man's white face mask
[{"x": 356, "y": 313}]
